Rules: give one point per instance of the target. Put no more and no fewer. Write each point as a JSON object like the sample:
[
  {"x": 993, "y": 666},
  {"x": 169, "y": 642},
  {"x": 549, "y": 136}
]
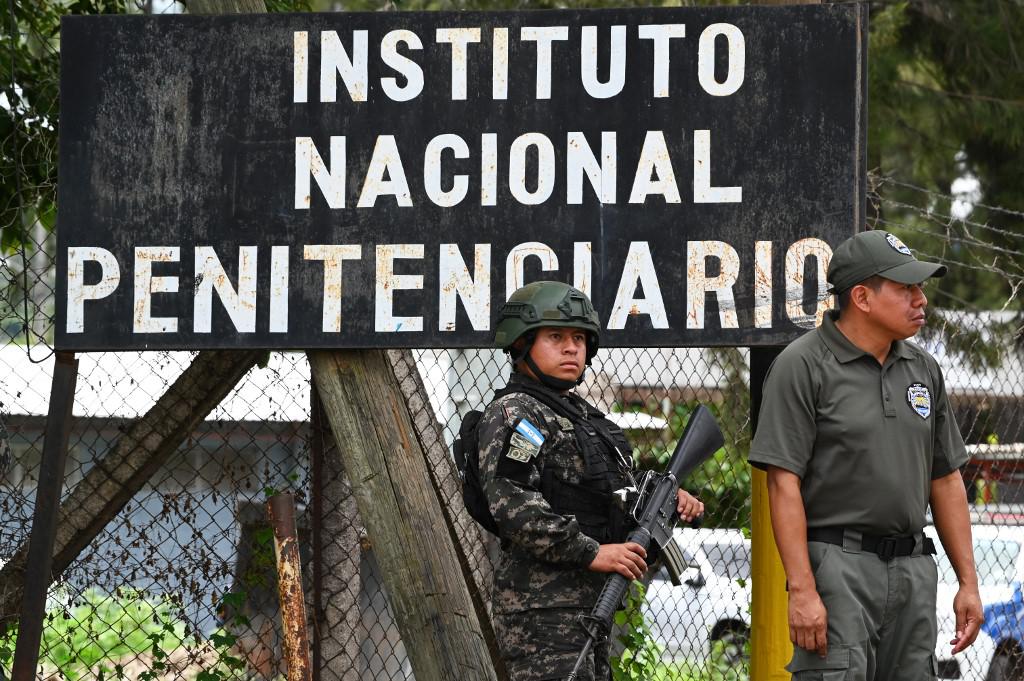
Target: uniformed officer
[
  {"x": 857, "y": 437},
  {"x": 549, "y": 463}
]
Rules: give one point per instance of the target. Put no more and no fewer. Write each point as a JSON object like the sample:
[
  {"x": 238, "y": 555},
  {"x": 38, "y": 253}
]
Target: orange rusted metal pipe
[{"x": 281, "y": 509}]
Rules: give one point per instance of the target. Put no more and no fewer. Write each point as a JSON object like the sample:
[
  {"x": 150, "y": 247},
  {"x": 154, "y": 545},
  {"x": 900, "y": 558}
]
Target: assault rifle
[{"x": 655, "y": 517}]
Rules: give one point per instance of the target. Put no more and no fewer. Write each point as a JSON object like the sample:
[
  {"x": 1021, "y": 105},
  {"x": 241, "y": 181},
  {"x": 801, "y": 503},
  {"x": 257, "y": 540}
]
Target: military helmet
[{"x": 547, "y": 303}]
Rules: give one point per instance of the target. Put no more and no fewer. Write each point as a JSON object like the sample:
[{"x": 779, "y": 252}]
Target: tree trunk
[
  {"x": 125, "y": 468},
  {"x": 389, "y": 474}
]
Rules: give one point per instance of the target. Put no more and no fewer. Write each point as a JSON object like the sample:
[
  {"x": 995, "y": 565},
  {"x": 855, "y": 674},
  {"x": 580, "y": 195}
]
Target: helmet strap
[
  {"x": 558, "y": 384},
  {"x": 519, "y": 355}
]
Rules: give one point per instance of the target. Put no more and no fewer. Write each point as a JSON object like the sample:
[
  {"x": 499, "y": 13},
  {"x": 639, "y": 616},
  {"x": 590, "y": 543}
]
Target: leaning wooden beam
[
  {"x": 469, "y": 538},
  {"x": 136, "y": 455},
  {"x": 388, "y": 471}
]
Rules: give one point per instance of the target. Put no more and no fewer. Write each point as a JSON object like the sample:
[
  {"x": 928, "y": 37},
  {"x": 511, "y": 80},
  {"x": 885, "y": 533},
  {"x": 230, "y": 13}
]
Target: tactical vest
[{"x": 607, "y": 459}]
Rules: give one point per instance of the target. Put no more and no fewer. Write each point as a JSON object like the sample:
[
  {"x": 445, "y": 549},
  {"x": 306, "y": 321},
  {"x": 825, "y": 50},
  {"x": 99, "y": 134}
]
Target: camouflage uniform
[{"x": 541, "y": 582}]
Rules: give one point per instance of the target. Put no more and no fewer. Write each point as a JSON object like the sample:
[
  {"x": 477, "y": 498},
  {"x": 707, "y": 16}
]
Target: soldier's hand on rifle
[
  {"x": 688, "y": 506},
  {"x": 626, "y": 559}
]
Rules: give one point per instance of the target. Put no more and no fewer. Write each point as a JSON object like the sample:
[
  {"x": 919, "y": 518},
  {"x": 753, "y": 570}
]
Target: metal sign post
[{"x": 44, "y": 519}]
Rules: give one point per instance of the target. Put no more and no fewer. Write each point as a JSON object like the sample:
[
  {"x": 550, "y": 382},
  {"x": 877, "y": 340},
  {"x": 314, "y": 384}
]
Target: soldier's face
[{"x": 560, "y": 352}]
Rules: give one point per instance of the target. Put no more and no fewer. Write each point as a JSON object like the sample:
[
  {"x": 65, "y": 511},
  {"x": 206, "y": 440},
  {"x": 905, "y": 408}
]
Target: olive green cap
[
  {"x": 879, "y": 253},
  {"x": 547, "y": 303}
]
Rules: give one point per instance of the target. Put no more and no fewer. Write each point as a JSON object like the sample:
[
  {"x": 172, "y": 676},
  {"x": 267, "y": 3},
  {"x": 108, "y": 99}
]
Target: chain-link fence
[{"x": 182, "y": 579}]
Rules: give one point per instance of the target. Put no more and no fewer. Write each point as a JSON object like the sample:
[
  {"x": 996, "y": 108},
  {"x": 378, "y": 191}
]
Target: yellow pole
[{"x": 770, "y": 649}]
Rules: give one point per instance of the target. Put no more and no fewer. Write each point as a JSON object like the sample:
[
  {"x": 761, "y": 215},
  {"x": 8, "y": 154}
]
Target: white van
[{"x": 713, "y": 603}]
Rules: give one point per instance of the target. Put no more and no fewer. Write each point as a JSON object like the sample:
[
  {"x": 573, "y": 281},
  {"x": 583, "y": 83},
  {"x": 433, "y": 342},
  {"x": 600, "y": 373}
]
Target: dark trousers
[
  {"x": 543, "y": 645},
  {"x": 881, "y": 617}
]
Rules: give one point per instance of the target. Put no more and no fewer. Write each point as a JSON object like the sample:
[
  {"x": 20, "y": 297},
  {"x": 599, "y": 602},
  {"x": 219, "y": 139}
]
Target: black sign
[{"x": 387, "y": 179}]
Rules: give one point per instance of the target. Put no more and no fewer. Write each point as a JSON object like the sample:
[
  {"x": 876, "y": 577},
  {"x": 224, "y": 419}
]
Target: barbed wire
[
  {"x": 950, "y": 221},
  {"x": 999, "y": 209},
  {"x": 953, "y": 231},
  {"x": 20, "y": 163},
  {"x": 951, "y": 239},
  {"x": 19, "y": 215}
]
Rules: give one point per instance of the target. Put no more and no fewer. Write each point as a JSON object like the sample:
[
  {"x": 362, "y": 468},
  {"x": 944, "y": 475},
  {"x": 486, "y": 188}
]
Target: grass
[
  {"x": 101, "y": 628},
  {"x": 688, "y": 671}
]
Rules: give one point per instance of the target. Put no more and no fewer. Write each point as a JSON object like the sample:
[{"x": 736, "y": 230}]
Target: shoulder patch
[
  {"x": 920, "y": 399},
  {"x": 530, "y": 432},
  {"x": 525, "y": 441},
  {"x": 519, "y": 454}
]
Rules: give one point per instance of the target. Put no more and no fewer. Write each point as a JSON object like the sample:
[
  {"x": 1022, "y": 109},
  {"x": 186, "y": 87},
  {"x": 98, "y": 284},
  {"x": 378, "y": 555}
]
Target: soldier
[
  {"x": 858, "y": 438},
  {"x": 549, "y": 463}
]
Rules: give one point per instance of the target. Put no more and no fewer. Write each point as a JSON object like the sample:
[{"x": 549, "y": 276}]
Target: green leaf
[
  {"x": 224, "y": 640},
  {"x": 233, "y": 599}
]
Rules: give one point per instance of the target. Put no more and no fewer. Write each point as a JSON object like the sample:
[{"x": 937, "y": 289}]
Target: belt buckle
[{"x": 886, "y": 548}]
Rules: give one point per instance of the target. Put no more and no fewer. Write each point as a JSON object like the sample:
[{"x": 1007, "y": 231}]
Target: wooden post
[
  {"x": 387, "y": 468},
  {"x": 337, "y": 633},
  {"x": 316, "y": 484},
  {"x": 44, "y": 518},
  {"x": 470, "y": 539}
]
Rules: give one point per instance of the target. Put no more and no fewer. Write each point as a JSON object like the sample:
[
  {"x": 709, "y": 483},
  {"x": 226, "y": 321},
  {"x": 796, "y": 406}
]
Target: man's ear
[{"x": 860, "y": 297}]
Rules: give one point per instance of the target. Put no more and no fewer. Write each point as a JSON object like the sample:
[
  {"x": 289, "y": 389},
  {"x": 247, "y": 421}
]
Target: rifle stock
[{"x": 701, "y": 438}]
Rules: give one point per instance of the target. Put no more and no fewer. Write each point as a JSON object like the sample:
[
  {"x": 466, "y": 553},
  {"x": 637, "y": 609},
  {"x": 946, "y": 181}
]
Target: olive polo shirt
[{"x": 866, "y": 440}]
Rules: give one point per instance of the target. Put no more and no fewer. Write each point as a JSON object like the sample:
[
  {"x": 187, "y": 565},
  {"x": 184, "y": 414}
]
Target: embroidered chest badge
[
  {"x": 920, "y": 399},
  {"x": 896, "y": 244}
]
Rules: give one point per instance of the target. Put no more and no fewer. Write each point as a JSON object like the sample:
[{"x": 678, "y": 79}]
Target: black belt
[{"x": 885, "y": 548}]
